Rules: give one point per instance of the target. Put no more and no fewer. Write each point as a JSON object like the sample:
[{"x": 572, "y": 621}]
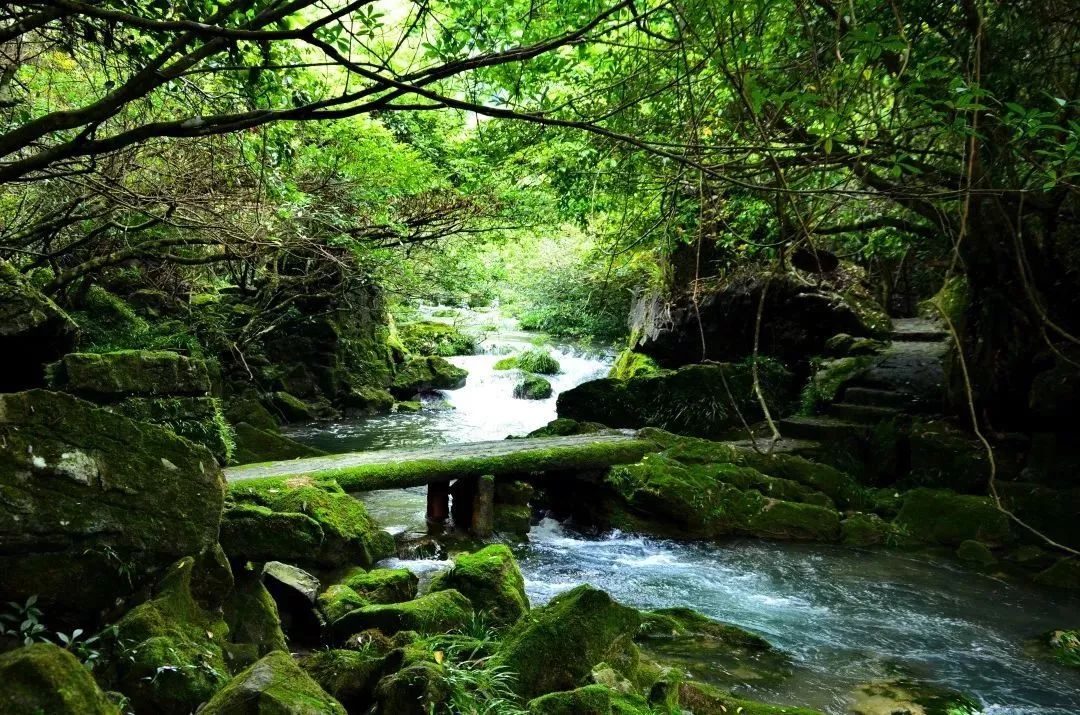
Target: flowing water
[{"x": 846, "y": 616}]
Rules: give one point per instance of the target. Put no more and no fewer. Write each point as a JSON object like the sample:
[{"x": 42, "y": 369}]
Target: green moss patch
[
  {"x": 437, "y": 612},
  {"x": 275, "y": 684},
  {"x": 491, "y": 580},
  {"x": 43, "y": 678}
]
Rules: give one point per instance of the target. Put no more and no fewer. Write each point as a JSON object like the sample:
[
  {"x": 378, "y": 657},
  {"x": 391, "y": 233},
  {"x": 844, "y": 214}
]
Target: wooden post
[
  {"x": 483, "y": 512},
  {"x": 438, "y": 503}
]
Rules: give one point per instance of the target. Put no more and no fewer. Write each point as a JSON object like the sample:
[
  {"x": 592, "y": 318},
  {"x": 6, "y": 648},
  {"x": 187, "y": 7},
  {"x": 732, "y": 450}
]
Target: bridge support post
[
  {"x": 483, "y": 507},
  {"x": 438, "y": 503}
]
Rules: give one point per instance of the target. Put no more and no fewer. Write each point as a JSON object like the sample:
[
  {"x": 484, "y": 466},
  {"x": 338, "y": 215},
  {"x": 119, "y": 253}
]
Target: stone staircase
[{"x": 907, "y": 378}]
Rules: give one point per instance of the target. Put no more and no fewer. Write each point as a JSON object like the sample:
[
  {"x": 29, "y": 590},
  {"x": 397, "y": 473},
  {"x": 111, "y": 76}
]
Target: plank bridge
[{"x": 437, "y": 466}]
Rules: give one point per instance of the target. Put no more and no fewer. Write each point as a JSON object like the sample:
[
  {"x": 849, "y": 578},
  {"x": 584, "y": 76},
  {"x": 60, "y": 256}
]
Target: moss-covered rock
[
  {"x": 275, "y": 685},
  {"x": 491, "y": 580},
  {"x": 132, "y": 372},
  {"x": 554, "y": 647},
  {"x": 171, "y": 650},
  {"x": 866, "y": 530},
  {"x": 253, "y": 620},
  {"x": 383, "y": 585},
  {"x": 250, "y": 409},
  {"x": 532, "y": 387},
  {"x": 259, "y": 445},
  {"x": 310, "y": 523},
  {"x": 630, "y": 364},
  {"x": 199, "y": 419},
  {"x": 366, "y": 400},
  {"x": 941, "y": 517},
  {"x": 417, "y": 689},
  {"x": 426, "y": 374},
  {"x": 713, "y": 500},
  {"x": 1065, "y": 646},
  {"x": 975, "y": 552},
  {"x": 1065, "y": 573},
  {"x": 43, "y": 679},
  {"x": 944, "y": 456},
  {"x": 433, "y": 338},
  {"x": 564, "y": 427},
  {"x": 94, "y": 501},
  {"x": 696, "y": 399},
  {"x": 844, "y": 345},
  {"x": 592, "y": 699},
  {"x": 704, "y": 699},
  {"x": 437, "y": 612},
  {"x": 906, "y": 696},
  {"x": 349, "y": 676},
  {"x": 538, "y": 362},
  {"x": 512, "y": 519},
  {"x": 829, "y": 378},
  {"x": 338, "y": 600},
  {"x": 34, "y": 331},
  {"x": 292, "y": 408}
]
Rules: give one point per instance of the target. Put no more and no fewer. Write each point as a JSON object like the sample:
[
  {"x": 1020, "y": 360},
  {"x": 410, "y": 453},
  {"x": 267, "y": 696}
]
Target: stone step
[
  {"x": 876, "y": 398},
  {"x": 918, "y": 336},
  {"x": 863, "y": 414},
  {"x": 819, "y": 429}
]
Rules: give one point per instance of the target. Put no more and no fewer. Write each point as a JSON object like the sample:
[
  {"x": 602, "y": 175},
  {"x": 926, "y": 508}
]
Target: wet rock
[
  {"x": 132, "y": 372},
  {"x": 383, "y": 585},
  {"x": 906, "y": 696},
  {"x": 308, "y": 523},
  {"x": 172, "y": 656},
  {"x": 564, "y": 427},
  {"x": 703, "y": 699},
  {"x": 260, "y": 445},
  {"x": 418, "y": 689},
  {"x": 491, "y": 580},
  {"x": 696, "y": 400},
  {"x": 348, "y": 675},
  {"x": 426, "y": 374},
  {"x": 941, "y": 517},
  {"x": 367, "y": 401},
  {"x": 532, "y": 387},
  {"x": 249, "y": 408},
  {"x": 275, "y": 685},
  {"x": 253, "y": 620},
  {"x": 593, "y": 699},
  {"x": 292, "y": 408},
  {"x": 1065, "y": 573},
  {"x": 976, "y": 553},
  {"x": 34, "y": 331},
  {"x": 554, "y": 647},
  {"x": 45, "y": 679},
  {"x": 866, "y": 530},
  {"x": 512, "y": 519},
  {"x": 437, "y": 612},
  {"x": 95, "y": 502}
]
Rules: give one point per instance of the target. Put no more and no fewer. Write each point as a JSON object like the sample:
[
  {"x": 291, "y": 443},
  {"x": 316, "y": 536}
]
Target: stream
[{"x": 847, "y": 616}]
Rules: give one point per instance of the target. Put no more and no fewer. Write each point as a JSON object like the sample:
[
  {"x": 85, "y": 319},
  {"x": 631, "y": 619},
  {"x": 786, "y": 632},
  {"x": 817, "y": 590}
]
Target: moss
[
  {"x": 133, "y": 372},
  {"x": 1065, "y": 573},
  {"x": 538, "y": 362},
  {"x": 829, "y": 378},
  {"x": 250, "y": 409},
  {"x": 975, "y": 552},
  {"x": 941, "y": 517},
  {"x": 512, "y": 519},
  {"x": 593, "y": 699},
  {"x": 432, "y": 338},
  {"x": 43, "y": 679},
  {"x": 866, "y": 530},
  {"x": 630, "y": 364},
  {"x": 532, "y": 387},
  {"x": 366, "y": 477},
  {"x": 383, "y": 585},
  {"x": 1065, "y": 645},
  {"x": 703, "y": 699},
  {"x": 697, "y": 399},
  {"x": 107, "y": 323},
  {"x": 946, "y": 457},
  {"x": 368, "y": 400},
  {"x": 172, "y": 649},
  {"x": 348, "y": 675},
  {"x": 337, "y": 600},
  {"x": 292, "y": 408},
  {"x": 507, "y": 363},
  {"x": 273, "y": 685},
  {"x": 252, "y": 616},
  {"x": 491, "y": 580},
  {"x": 259, "y": 445},
  {"x": 437, "y": 612},
  {"x": 951, "y": 302},
  {"x": 563, "y": 427},
  {"x": 903, "y": 696},
  {"x": 425, "y": 375},
  {"x": 417, "y": 689},
  {"x": 199, "y": 419},
  {"x": 345, "y": 534},
  {"x": 554, "y": 647}
]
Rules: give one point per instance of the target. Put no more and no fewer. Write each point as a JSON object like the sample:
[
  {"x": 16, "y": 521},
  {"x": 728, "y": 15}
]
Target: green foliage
[{"x": 538, "y": 362}]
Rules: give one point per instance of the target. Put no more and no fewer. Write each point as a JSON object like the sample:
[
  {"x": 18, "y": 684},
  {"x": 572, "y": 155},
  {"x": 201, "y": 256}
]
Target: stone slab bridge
[{"x": 469, "y": 464}]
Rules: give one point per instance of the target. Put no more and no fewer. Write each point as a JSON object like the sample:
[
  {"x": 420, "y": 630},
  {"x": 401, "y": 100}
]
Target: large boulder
[
  {"x": 797, "y": 319},
  {"x": 437, "y": 612},
  {"x": 94, "y": 502},
  {"x": 170, "y": 651},
  {"x": 702, "y": 400},
  {"x": 198, "y": 419},
  {"x": 132, "y": 372},
  {"x": 425, "y": 374},
  {"x": 490, "y": 578},
  {"x": 555, "y": 647},
  {"x": 254, "y": 444},
  {"x": 937, "y": 516},
  {"x": 348, "y": 675},
  {"x": 43, "y": 678},
  {"x": 308, "y": 523},
  {"x": 34, "y": 331},
  {"x": 274, "y": 685},
  {"x": 253, "y": 620}
]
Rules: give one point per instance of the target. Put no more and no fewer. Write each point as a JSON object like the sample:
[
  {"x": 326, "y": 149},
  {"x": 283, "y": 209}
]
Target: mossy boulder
[
  {"x": 338, "y": 600},
  {"x": 420, "y": 688},
  {"x": 367, "y": 400},
  {"x": 250, "y": 409},
  {"x": 34, "y": 331},
  {"x": 945, "y": 518},
  {"x": 538, "y": 362},
  {"x": 292, "y": 408},
  {"x": 564, "y": 427},
  {"x": 491, "y": 580},
  {"x": 275, "y": 685},
  {"x": 260, "y": 445},
  {"x": 713, "y": 500},
  {"x": 253, "y": 620},
  {"x": 349, "y": 676},
  {"x": 132, "y": 372},
  {"x": 976, "y": 553},
  {"x": 696, "y": 399},
  {"x": 704, "y": 699},
  {"x": 199, "y": 419},
  {"x": 383, "y": 585},
  {"x": 43, "y": 679},
  {"x": 907, "y": 696},
  {"x": 866, "y": 530},
  {"x": 434, "y": 338},
  {"x": 170, "y": 650},
  {"x": 95, "y": 502},
  {"x": 511, "y": 519},
  {"x": 828, "y": 379},
  {"x": 844, "y": 345},
  {"x": 308, "y": 523},
  {"x": 426, "y": 374},
  {"x": 532, "y": 387},
  {"x": 946, "y": 457},
  {"x": 436, "y": 612},
  {"x": 1065, "y": 573},
  {"x": 592, "y": 699},
  {"x": 630, "y": 364},
  {"x": 556, "y": 646}
]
